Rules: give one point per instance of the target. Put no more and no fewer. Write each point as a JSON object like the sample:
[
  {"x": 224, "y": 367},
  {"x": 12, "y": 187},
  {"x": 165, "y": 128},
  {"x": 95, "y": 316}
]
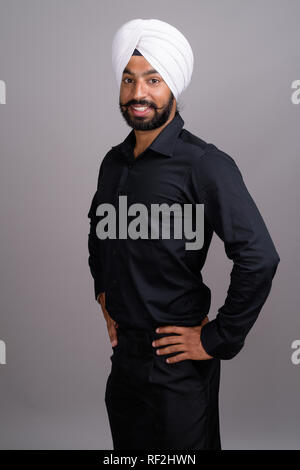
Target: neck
[{"x": 144, "y": 138}]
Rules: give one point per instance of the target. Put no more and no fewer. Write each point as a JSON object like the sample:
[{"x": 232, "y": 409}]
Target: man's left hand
[{"x": 188, "y": 343}]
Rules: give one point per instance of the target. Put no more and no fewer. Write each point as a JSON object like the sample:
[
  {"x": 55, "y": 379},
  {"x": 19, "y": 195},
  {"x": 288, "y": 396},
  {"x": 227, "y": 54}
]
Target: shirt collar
[{"x": 163, "y": 143}]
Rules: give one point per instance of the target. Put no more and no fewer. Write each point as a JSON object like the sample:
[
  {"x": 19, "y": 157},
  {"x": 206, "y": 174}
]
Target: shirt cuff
[
  {"x": 98, "y": 287},
  {"x": 99, "y": 296},
  {"x": 215, "y": 345}
]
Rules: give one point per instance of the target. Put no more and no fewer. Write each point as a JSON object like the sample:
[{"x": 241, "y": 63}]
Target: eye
[{"x": 154, "y": 79}]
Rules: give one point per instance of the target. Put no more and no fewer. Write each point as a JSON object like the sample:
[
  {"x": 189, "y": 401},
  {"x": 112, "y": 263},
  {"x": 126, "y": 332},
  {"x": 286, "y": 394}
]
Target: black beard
[{"x": 140, "y": 123}]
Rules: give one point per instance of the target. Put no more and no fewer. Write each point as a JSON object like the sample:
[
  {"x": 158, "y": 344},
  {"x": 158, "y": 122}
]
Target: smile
[{"x": 140, "y": 110}]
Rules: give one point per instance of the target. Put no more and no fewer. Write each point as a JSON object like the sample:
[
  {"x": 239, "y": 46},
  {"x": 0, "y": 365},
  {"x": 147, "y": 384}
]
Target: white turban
[{"x": 162, "y": 45}]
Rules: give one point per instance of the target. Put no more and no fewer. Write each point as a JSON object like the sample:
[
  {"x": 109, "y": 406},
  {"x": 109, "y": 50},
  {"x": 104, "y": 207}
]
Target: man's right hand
[{"x": 111, "y": 324}]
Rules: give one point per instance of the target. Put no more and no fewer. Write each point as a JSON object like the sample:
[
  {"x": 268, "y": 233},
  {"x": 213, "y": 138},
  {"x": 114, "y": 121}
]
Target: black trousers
[{"x": 155, "y": 405}]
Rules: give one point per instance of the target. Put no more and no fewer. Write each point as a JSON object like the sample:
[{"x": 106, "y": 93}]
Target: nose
[{"x": 140, "y": 91}]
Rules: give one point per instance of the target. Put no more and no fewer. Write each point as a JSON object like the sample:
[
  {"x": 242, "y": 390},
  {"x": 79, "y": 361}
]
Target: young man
[{"x": 163, "y": 388}]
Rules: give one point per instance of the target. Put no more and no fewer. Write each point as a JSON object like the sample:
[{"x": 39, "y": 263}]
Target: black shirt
[{"x": 155, "y": 282}]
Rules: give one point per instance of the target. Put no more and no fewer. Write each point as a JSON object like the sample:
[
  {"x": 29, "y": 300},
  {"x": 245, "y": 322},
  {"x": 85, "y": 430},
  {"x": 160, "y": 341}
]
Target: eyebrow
[{"x": 148, "y": 72}]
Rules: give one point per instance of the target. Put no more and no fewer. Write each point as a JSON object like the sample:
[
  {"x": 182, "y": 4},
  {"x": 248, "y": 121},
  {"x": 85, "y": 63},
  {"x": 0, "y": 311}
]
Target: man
[{"x": 163, "y": 388}]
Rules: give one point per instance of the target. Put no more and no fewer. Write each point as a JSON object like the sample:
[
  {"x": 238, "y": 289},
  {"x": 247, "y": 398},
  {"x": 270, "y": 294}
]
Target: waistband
[{"x": 141, "y": 336}]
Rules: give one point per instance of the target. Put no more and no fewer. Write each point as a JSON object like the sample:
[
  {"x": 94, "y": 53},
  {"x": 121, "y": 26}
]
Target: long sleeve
[
  {"x": 233, "y": 215},
  {"x": 95, "y": 260}
]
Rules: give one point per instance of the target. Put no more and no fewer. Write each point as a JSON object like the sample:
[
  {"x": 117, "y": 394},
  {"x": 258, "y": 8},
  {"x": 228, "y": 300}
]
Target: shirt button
[
  {"x": 114, "y": 251},
  {"x": 130, "y": 165},
  {"x": 115, "y": 281}
]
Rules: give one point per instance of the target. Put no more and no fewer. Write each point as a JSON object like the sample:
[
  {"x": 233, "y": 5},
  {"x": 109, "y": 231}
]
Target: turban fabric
[{"x": 162, "y": 45}]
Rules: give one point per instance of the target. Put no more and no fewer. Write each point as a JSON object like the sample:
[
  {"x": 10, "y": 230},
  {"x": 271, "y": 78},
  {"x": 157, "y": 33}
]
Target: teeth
[{"x": 140, "y": 108}]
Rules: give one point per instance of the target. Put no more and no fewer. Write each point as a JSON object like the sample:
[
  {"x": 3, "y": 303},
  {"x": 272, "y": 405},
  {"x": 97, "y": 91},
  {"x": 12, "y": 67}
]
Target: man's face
[{"x": 142, "y": 87}]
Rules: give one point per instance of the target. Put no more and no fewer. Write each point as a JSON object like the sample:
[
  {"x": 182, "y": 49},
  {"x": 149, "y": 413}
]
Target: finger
[
  {"x": 177, "y": 358},
  {"x": 113, "y": 336},
  {"x": 170, "y": 349},
  {"x": 168, "y": 340},
  {"x": 171, "y": 329}
]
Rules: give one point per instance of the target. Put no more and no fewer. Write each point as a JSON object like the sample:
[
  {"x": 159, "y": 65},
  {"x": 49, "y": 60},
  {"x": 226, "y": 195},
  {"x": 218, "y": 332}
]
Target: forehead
[{"x": 137, "y": 65}]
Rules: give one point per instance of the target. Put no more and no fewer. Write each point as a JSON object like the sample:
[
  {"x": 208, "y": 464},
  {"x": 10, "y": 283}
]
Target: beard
[{"x": 146, "y": 123}]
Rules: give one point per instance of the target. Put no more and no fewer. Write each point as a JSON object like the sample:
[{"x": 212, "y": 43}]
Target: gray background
[{"x": 60, "y": 119}]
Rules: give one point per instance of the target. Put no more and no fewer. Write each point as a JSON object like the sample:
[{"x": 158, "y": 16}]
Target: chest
[{"x": 146, "y": 179}]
